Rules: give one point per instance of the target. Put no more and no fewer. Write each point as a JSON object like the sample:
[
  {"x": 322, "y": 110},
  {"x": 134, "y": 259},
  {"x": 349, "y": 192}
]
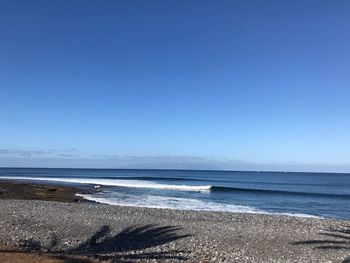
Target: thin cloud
[
  {"x": 16, "y": 153},
  {"x": 75, "y": 159}
]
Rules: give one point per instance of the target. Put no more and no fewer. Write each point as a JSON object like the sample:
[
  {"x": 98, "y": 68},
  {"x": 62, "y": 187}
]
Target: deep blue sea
[{"x": 299, "y": 194}]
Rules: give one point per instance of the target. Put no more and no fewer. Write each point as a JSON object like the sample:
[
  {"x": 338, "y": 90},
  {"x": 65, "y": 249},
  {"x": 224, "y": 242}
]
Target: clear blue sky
[{"x": 258, "y": 82}]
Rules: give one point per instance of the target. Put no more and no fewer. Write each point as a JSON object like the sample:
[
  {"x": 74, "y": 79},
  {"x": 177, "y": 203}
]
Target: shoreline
[
  {"x": 96, "y": 232},
  {"x": 87, "y": 198},
  {"x": 56, "y": 191}
]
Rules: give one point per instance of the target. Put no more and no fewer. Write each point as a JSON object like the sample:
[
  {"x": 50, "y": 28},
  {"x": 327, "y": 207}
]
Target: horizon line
[{"x": 170, "y": 169}]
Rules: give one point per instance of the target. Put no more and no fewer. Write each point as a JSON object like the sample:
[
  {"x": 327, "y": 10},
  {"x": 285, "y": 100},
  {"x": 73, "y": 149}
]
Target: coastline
[{"x": 98, "y": 232}]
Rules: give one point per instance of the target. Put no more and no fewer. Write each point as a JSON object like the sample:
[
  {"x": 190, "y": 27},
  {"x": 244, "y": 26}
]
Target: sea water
[{"x": 296, "y": 194}]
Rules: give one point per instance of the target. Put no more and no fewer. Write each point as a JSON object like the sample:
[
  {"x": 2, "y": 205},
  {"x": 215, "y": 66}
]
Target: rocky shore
[{"x": 47, "y": 192}]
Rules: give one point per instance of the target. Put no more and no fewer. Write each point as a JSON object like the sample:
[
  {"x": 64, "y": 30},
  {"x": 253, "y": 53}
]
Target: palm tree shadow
[
  {"x": 129, "y": 244},
  {"x": 338, "y": 239},
  {"x": 130, "y": 239}
]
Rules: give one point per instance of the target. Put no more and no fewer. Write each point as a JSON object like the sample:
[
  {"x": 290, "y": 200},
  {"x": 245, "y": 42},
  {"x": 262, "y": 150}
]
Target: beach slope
[{"x": 128, "y": 234}]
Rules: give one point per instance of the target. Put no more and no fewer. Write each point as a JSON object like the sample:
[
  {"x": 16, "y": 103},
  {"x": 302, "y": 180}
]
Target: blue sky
[{"x": 178, "y": 84}]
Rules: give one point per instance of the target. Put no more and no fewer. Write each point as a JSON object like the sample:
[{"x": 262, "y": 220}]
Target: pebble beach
[{"x": 108, "y": 233}]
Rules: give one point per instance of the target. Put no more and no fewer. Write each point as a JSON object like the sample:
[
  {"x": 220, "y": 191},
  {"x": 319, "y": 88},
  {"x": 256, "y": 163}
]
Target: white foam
[
  {"x": 116, "y": 182},
  {"x": 176, "y": 203},
  {"x": 298, "y": 215},
  {"x": 165, "y": 202}
]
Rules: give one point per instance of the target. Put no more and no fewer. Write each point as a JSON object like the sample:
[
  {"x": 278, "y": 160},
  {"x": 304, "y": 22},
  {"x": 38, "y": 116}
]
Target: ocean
[{"x": 296, "y": 194}]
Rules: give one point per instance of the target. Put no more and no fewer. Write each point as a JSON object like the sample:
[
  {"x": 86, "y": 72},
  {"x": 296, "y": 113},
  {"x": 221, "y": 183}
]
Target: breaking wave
[{"x": 117, "y": 182}]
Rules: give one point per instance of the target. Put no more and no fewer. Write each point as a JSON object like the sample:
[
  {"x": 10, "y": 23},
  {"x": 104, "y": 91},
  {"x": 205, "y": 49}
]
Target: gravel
[{"x": 128, "y": 234}]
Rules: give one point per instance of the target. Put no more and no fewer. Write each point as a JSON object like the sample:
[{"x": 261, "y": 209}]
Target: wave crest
[{"x": 118, "y": 183}]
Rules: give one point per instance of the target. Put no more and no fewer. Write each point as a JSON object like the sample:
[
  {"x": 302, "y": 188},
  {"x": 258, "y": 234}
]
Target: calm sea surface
[{"x": 300, "y": 194}]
